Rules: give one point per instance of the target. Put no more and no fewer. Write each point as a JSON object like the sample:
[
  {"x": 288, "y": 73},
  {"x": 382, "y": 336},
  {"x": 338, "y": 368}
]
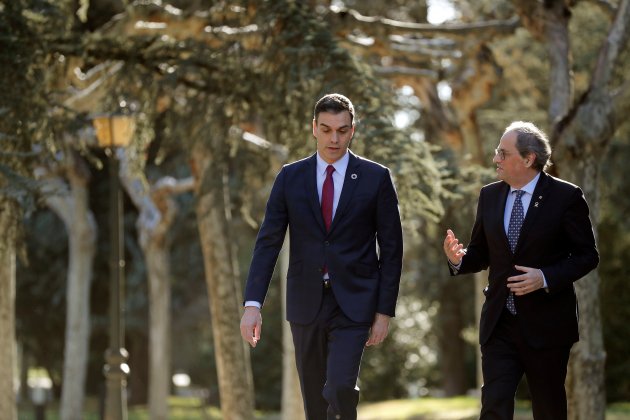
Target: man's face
[
  {"x": 333, "y": 133},
  {"x": 511, "y": 166}
]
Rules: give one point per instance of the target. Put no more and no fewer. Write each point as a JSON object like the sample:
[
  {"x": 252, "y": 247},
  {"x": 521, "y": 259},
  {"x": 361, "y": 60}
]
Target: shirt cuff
[
  {"x": 454, "y": 267},
  {"x": 545, "y": 285},
  {"x": 253, "y": 303}
]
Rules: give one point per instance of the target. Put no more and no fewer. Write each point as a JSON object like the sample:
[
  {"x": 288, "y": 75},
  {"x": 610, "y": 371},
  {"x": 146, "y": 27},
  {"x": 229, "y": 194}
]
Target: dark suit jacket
[
  {"x": 556, "y": 237},
  {"x": 364, "y": 279}
]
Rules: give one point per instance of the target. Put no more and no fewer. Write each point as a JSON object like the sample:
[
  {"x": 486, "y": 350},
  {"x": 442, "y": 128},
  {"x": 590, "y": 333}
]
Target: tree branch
[
  {"x": 84, "y": 99},
  {"x": 605, "y": 6},
  {"x": 621, "y": 100},
  {"x": 556, "y": 32},
  {"x": 171, "y": 186},
  {"x": 56, "y": 194},
  {"x": 394, "y": 71},
  {"x": 611, "y": 48},
  {"x": 490, "y": 27}
]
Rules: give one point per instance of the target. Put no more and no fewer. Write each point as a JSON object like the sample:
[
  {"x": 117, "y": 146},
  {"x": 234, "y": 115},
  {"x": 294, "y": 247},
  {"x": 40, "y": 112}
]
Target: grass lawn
[{"x": 459, "y": 408}]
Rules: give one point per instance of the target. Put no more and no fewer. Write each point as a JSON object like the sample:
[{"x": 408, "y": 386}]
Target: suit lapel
[
  {"x": 535, "y": 208},
  {"x": 311, "y": 191},
  {"x": 351, "y": 179}
]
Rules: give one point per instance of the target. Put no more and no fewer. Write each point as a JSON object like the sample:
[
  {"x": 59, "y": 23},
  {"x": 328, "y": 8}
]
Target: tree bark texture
[
  {"x": 581, "y": 137},
  {"x": 224, "y": 284},
  {"x": 559, "y": 53},
  {"x": 157, "y": 210},
  {"x": 68, "y": 199},
  {"x": 585, "y": 385},
  {"x": 158, "y": 271},
  {"x": 82, "y": 238},
  {"x": 8, "y": 217}
]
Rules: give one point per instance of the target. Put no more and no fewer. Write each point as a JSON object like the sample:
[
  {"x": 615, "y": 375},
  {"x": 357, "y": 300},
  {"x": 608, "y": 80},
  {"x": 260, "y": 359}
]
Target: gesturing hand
[{"x": 453, "y": 249}]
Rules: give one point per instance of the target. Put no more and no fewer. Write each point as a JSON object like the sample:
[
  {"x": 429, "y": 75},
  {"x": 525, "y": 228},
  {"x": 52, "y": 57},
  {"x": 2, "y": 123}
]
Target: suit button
[{"x": 326, "y": 243}]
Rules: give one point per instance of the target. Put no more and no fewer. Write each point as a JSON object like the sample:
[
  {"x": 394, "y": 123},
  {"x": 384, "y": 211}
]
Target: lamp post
[{"x": 115, "y": 131}]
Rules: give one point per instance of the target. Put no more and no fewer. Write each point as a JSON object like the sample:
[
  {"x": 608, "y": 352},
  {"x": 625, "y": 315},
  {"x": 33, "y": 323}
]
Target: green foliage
[
  {"x": 306, "y": 61},
  {"x": 614, "y": 247},
  {"x": 21, "y": 104}
]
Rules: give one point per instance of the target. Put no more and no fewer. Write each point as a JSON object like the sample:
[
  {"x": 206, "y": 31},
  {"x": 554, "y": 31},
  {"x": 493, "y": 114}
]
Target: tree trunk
[
  {"x": 581, "y": 137},
  {"x": 451, "y": 344},
  {"x": 585, "y": 384},
  {"x": 8, "y": 217},
  {"x": 224, "y": 284},
  {"x": 82, "y": 238},
  {"x": 158, "y": 269},
  {"x": 157, "y": 210},
  {"x": 556, "y": 33},
  {"x": 68, "y": 199},
  {"x": 292, "y": 404}
]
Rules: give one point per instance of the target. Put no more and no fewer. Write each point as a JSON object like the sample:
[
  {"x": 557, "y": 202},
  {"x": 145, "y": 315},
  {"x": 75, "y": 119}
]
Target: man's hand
[
  {"x": 526, "y": 283},
  {"x": 379, "y": 330},
  {"x": 251, "y": 325},
  {"x": 453, "y": 249}
]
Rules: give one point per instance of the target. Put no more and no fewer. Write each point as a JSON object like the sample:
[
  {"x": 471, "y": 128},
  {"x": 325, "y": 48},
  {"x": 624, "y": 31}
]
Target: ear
[
  {"x": 314, "y": 128},
  {"x": 531, "y": 158}
]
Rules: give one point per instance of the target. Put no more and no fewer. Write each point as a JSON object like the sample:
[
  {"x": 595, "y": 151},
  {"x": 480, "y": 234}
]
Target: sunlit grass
[
  {"x": 447, "y": 408},
  {"x": 458, "y": 408}
]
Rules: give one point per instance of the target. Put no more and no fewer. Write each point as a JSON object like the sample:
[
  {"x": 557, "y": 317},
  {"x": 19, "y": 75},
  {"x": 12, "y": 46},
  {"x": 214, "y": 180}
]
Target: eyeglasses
[{"x": 501, "y": 153}]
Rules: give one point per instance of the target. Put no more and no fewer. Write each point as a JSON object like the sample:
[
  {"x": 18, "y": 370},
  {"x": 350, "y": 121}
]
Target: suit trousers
[
  {"x": 505, "y": 357},
  {"x": 328, "y": 354}
]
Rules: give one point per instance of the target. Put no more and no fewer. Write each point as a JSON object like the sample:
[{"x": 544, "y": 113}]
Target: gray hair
[{"x": 531, "y": 139}]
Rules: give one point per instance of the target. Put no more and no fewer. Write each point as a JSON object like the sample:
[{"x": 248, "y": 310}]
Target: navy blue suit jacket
[
  {"x": 364, "y": 277},
  {"x": 556, "y": 237}
]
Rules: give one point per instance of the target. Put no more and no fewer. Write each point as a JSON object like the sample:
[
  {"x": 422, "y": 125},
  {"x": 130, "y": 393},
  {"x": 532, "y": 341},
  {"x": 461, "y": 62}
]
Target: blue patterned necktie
[{"x": 514, "y": 230}]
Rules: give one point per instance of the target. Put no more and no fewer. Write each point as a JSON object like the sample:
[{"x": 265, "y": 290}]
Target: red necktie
[{"x": 328, "y": 192}]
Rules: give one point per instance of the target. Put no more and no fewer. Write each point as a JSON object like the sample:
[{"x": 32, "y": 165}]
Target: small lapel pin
[{"x": 353, "y": 176}]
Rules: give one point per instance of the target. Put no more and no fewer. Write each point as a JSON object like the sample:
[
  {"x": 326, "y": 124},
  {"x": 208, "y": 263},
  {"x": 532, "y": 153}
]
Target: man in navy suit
[
  {"x": 534, "y": 233},
  {"x": 344, "y": 265}
]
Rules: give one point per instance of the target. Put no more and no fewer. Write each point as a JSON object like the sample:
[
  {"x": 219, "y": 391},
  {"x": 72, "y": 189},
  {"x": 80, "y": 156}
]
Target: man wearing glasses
[{"x": 534, "y": 233}]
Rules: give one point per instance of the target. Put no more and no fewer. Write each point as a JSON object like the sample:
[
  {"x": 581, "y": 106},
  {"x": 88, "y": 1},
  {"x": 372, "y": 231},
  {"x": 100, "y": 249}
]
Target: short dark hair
[
  {"x": 531, "y": 139},
  {"x": 334, "y": 103}
]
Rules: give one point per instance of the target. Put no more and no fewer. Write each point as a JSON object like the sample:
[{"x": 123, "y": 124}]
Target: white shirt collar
[
  {"x": 528, "y": 188},
  {"x": 340, "y": 165}
]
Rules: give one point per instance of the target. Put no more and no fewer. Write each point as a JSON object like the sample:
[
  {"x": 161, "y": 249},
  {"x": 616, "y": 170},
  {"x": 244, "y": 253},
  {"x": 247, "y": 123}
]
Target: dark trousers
[
  {"x": 505, "y": 358},
  {"x": 328, "y": 354}
]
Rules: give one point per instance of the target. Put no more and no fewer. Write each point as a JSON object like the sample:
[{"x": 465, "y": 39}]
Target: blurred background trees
[{"x": 222, "y": 94}]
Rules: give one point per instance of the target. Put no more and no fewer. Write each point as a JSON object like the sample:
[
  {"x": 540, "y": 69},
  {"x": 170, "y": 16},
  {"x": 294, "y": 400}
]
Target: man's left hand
[
  {"x": 379, "y": 330},
  {"x": 530, "y": 281}
]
